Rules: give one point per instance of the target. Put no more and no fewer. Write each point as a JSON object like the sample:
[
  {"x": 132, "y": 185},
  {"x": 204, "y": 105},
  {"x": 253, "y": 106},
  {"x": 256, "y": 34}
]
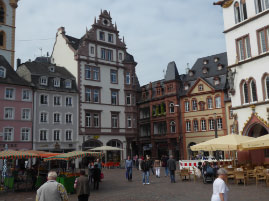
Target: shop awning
[
  {"x": 256, "y": 143},
  {"x": 11, "y": 154},
  {"x": 106, "y": 148},
  {"x": 225, "y": 143},
  {"x": 74, "y": 155}
]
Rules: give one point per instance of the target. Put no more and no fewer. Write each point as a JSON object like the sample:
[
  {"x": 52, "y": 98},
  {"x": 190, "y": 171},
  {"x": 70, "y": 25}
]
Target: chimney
[
  {"x": 18, "y": 62},
  {"x": 187, "y": 69}
]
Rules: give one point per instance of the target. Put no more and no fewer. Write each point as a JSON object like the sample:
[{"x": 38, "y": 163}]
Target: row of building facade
[{"x": 87, "y": 93}]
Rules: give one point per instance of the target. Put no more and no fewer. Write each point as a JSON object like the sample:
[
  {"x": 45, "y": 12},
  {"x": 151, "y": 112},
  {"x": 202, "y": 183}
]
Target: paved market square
[{"x": 114, "y": 187}]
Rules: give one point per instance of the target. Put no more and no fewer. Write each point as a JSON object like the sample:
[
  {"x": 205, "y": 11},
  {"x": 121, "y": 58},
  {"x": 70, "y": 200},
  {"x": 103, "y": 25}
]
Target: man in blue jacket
[{"x": 129, "y": 166}]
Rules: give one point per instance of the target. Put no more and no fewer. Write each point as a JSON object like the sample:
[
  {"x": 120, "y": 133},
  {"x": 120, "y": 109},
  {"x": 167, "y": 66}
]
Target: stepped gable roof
[
  {"x": 38, "y": 69},
  {"x": 11, "y": 76},
  {"x": 171, "y": 71},
  {"x": 211, "y": 65}
]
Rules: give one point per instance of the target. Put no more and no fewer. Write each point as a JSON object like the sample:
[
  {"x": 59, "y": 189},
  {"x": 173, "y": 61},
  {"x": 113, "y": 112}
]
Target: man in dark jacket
[
  {"x": 96, "y": 176},
  {"x": 171, "y": 164},
  {"x": 145, "y": 166},
  {"x": 82, "y": 187}
]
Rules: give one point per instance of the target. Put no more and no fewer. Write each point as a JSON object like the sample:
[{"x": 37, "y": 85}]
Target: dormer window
[
  {"x": 52, "y": 69},
  {"x": 186, "y": 87},
  {"x": 216, "y": 59},
  {"x": 205, "y": 70},
  {"x": 56, "y": 82},
  {"x": 205, "y": 62},
  {"x": 68, "y": 84},
  {"x": 216, "y": 81},
  {"x": 2, "y": 72},
  {"x": 44, "y": 81},
  {"x": 190, "y": 73},
  {"x": 220, "y": 67}
]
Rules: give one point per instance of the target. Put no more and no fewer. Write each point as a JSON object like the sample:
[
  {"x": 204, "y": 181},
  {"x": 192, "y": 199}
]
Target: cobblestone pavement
[{"x": 115, "y": 188}]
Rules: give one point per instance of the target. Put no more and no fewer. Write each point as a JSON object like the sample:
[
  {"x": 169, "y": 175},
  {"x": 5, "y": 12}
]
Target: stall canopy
[
  {"x": 225, "y": 143},
  {"x": 256, "y": 143},
  {"x": 10, "y": 154},
  {"x": 106, "y": 148},
  {"x": 42, "y": 154},
  {"x": 74, "y": 155}
]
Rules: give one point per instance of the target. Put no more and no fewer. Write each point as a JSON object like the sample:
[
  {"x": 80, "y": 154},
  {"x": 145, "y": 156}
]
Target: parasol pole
[{"x": 4, "y": 172}]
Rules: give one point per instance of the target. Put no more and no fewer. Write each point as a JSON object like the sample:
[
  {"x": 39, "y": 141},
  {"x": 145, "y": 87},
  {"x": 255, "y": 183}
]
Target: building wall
[
  {"x": 17, "y": 123},
  {"x": 229, "y": 118}
]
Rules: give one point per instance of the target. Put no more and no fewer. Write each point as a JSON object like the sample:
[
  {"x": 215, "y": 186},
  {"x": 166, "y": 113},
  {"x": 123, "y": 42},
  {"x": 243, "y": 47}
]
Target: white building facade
[
  {"x": 107, "y": 84},
  {"x": 246, "y": 28}
]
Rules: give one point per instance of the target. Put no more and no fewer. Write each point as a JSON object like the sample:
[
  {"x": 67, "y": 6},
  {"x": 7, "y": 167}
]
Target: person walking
[
  {"x": 164, "y": 164},
  {"x": 128, "y": 167},
  {"x": 220, "y": 189},
  {"x": 82, "y": 187},
  {"x": 90, "y": 172},
  {"x": 157, "y": 166},
  {"x": 96, "y": 176},
  {"x": 151, "y": 165},
  {"x": 145, "y": 166},
  {"x": 171, "y": 164},
  {"x": 51, "y": 190}
]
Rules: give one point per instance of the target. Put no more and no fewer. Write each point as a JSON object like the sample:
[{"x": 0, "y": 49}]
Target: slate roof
[
  {"x": 171, "y": 71},
  {"x": 129, "y": 58},
  {"x": 38, "y": 69},
  {"x": 213, "y": 72},
  {"x": 11, "y": 76},
  {"x": 74, "y": 42}
]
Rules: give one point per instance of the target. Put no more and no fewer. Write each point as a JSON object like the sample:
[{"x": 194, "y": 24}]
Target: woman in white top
[{"x": 220, "y": 190}]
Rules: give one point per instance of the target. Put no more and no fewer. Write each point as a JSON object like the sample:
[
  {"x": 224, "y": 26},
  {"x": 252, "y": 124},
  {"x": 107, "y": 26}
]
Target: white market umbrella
[{"x": 106, "y": 148}]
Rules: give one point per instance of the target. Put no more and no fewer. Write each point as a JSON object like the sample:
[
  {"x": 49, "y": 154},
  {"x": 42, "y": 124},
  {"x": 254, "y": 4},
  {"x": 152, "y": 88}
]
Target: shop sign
[{"x": 96, "y": 137}]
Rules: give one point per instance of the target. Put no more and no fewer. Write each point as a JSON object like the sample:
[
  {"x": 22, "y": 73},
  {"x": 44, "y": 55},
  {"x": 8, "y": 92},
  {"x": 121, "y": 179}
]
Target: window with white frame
[
  {"x": 9, "y": 113},
  {"x": 187, "y": 106},
  {"x": 219, "y": 123},
  {"x": 8, "y": 134},
  {"x": 43, "y": 135},
  {"x": 56, "y": 135},
  {"x": 243, "y": 48},
  {"x": 114, "y": 76},
  {"x": 26, "y": 114},
  {"x": 211, "y": 123},
  {"x": 2, "y": 72},
  {"x": 110, "y": 38},
  {"x": 92, "y": 50},
  {"x": 195, "y": 125},
  {"x": 240, "y": 10},
  {"x": 129, "y": 122},
  {"x": 203, "y": 125},
  {"x": 88, "y": 73},
  {"x": 68, "y": 84},
  {"x": 261, "y": 5},
  {"x": 43, "y": 99},
  {"x": 194, "y": 104},
  {"x": 57, "y": 100},
  {"x": 263, "y": 39},
  {"x": 88, "y": 120},
  {"x": 43, "y": 81},
  {"x": 128, "y": 99},
  {"x": 56, "y": 82},
  {"x": 68, "y": 118},
  {"x": 114, "y": 97},
  {"x": 253, "y": 91},
  {"x": 56, "y": 117},
  {"x": 172, "y": 127},
  {"x": 128, "y": 78},
  {"x": 245, "y": 92},
  {"x": 96, "y": 120},
  {"x": 102, "y": 35},
  {"x": 96, "y": 95},
  {"x": 267, "y": 86},
  {"x": 106, "y": 54},
  {"x": 218, "y": 102},
  {"x": 26, "y": 95},
  {"x": 171, "y": 108},
  {"x": 209, "y": 103},
  {"x": 68, "y": 101},
  {"x": 10, "y": 93},
  {"x": 114, "y": 120},
  {"x": 96, "y": 73},
  {"x": 88, "y": 93},
  {"x": 188, "y": 126},
  {"x": 43, "y": 117},
  {"x": 68, "y": 135},
  {"x": 25, "y": 134}
]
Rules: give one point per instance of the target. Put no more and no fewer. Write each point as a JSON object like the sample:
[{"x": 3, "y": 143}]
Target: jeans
[
  {"x": 172, "y": 176},
  {"x": 157, "y": 169},
  {"x": 129, "y": 173},
  {"x": 166, "y": 171},
  {"x": 146, "y": 177}
]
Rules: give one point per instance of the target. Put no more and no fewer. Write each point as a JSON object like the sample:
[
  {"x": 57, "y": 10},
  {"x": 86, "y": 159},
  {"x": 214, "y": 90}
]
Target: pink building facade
[{"x": 16, "y": 109}]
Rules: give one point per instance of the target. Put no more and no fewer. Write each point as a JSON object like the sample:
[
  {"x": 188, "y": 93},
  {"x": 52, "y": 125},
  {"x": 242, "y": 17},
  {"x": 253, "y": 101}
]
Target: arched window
[
  {"x": 218, "y": 102},
  {"x": 172, "y": 108},
  {"x": 267, "y": 86},
  {"x": 2, "y": 12},
  {"x": 245, "y": 92},
  {"x": 253, "y": 91},
  {"x": 209, "y": 103},
  {"x": 244, "y": 9},
  {"x": 261, "y": 5},
  {"x": 2, "y": 72},
  {"x": 237, "y": 12},
  {"x": 114, "y": 143},
  {"x": 172, "y": 127},
  {"x": 202, "y": 105},
  {"x": 188, "y": 126},
  {"x": 194, "y": 104}
]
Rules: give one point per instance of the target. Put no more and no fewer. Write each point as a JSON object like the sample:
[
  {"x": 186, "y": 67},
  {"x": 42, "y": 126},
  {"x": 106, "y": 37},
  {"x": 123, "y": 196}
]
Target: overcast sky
[{"x": 155, "y": 31}]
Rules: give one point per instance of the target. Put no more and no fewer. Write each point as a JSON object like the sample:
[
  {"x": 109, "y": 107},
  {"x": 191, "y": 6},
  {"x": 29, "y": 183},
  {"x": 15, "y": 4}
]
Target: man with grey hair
[
  {"x": 51, "y": 190},
  {"x": 171, "y": 164},
  {"x": 220, "y": 190}
]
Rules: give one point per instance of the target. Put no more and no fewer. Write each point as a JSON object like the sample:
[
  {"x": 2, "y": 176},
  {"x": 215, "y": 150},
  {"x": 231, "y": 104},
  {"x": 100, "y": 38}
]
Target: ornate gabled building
[
  {"x": 7, "y": 29},
  {"x": 107, "y": 84},
  {"x": 159, "y": 116},
  {"x": 203, "y": 101},
  {"x": 55, "y": 122}
]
